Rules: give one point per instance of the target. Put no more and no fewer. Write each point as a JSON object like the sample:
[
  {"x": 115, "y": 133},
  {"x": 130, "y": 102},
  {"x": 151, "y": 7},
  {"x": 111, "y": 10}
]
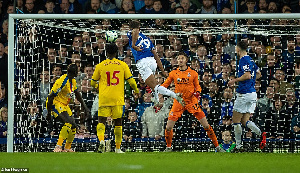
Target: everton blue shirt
[
  {"x": 246, "y": 64},
  {"x": 146, "y": 45}
]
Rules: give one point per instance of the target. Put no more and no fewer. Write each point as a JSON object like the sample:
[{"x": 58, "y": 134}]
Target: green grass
[{"x": 152, "y": 162}]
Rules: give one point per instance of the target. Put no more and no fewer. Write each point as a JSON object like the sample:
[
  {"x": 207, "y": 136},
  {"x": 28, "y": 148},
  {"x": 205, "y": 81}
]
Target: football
[{"x": 111, "y": 36}]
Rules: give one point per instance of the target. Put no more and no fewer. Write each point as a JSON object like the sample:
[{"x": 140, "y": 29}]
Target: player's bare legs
[
  {"x": 67, "y": 132},
  {"x": 151, "y": 82}
]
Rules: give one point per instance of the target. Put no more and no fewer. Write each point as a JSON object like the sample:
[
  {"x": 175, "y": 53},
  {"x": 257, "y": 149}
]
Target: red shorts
[{"x": 191, "y": 106}]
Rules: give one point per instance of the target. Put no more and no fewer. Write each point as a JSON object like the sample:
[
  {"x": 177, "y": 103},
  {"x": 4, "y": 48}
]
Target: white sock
[
  {"x": 253, "y": 127},
  {"x": 164, "y": 91},
  {"x": 238, "y": 134}
]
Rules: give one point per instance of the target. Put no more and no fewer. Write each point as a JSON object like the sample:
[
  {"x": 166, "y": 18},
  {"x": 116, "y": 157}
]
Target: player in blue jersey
[
  {"x": 246, "y": 97},
  {"x": 147, "y": 61}
]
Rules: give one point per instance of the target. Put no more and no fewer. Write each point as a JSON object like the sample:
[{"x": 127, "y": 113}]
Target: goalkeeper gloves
[{"x": 197, "y": 95}]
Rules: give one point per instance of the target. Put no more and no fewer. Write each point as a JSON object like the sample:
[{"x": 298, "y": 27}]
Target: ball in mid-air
[{"x": 111, "y": 36}]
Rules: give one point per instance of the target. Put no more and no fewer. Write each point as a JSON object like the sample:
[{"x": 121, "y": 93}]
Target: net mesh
[{"x": 44, "y": 48}]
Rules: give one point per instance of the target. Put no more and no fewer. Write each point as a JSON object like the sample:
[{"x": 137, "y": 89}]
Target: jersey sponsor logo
[
  {"x": 246, "y": 67},
  {"x": 182, "y": 80}
]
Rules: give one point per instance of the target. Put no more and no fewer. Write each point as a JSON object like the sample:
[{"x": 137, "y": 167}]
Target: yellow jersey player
[
  {"x": 111, "y": 74},
  {"x": 57, "y": 102}
]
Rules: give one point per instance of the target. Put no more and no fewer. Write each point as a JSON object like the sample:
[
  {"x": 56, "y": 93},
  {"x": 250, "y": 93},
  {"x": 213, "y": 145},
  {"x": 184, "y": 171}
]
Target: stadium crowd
[{"x": 43, "y": 56}]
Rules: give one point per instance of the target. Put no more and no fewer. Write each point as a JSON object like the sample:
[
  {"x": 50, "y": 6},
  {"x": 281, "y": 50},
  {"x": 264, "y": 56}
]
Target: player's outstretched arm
[
  {"x": 133, "y": 85},
  {"x": 258, "y": 74},
  {"x": 49, "y": 105},
  {"x": 79, "y": 98}
]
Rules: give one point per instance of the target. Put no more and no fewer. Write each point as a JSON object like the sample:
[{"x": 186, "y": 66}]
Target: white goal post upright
[{"x": 11, "y": 41}]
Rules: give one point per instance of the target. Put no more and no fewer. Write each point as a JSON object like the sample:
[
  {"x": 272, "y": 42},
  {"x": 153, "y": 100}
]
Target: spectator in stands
[
  {"x": 133, "y": 128},
  {"x": 227, "y": 105},
  {"x": 100, "y": 48},
  {"x": 157, "y": 7},
  {"x": 44, "y": 85},
  {"x": 177, "y": 45},
  {"x": 109, "y": 129},
  {"x": 275, "y": 83},
  {"x": 295, "y": 127},
  {"x": 3, "y": 122},
  {"x": 82, "y": 132},
  {"x": 292, "y": 106},
  {"x": 63, "y": 57},
  {"x": 225, "y": 77},
  {"x": 88, "y": 71},
  {"x": 64, "y": 7},
  {"x": 208, "y": 7},
  {"x": 153, "y": 119},
  {"x": 56, "y": 73},
  {"x": 94, "y": 5},
  {"x": 202, "y": 58},
  {"x": 272, "y": 8},
  {"x": 217, "y": 69},
  {"x": 263, "y": 116},
  {"x": 268, "y": 70},
  {"x": 289, "y": 56},
  {"x": 258, "y": 88},
  {"x": 77, "y": 44},
  {"x": 219, "y": 53},
  {"x": 227, "y": 143},
  {"x": 108, "y": 7},
  {"x": 49, "y": 7},
  {"x": 127, "y": 5},
  {"x": 4, "y": 33},
  {"x": 193, "y": 43},
  {"x": 250, "y": 6},
  {"x": 214, "y": 93},
  {"x": 204, "y": 83},
  {"x": 20, "y": 5},
  {"x": 3, "y": 98},
  {"x": 283, "y": 84},
  {"x": 263, "y": 5},
  {"x": 296, "y": 79},
  {"x": 142, "y": 106},
  {"x": 212, "y": 112},
  {"x": 121, "y": 51},
  {"x": 148, "y": 8},
  {"x": 30, "y": 7},
  {"x": 160, "y": 52}
]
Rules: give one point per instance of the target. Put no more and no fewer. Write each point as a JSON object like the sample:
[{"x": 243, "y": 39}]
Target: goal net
[{"x": 41, "y": 47}]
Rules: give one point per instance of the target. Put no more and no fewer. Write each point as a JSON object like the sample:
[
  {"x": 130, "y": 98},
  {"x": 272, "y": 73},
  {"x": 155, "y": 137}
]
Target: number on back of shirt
[{"x": 144, "y": 43}]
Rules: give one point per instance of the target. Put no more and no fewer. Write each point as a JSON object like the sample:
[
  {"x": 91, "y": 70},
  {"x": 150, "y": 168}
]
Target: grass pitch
[{"x": 152, "y": 162}]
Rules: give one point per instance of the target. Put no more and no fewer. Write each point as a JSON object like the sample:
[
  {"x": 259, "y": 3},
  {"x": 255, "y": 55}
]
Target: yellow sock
[
  {"x": 70, "y": 139},
  {"x": 100, "y": 131},
  {"x": 118, "y": 136},
  {"x": 63, "y": 134}
]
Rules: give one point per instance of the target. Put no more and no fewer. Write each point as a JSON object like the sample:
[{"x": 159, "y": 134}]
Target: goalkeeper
[
  {"x": 111, "y": 74},
  {"x": 187, "y": 84},
  {"x": 62, "y": 92}
]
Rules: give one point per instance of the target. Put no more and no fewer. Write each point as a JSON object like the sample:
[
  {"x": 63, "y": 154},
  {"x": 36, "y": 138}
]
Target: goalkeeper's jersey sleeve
[
  {"x": 63, "y": 89},
  {"x": 111, "y": 75}
]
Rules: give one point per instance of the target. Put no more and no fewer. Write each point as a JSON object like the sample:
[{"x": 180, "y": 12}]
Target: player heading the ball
[{"x": 147, "y": 61}]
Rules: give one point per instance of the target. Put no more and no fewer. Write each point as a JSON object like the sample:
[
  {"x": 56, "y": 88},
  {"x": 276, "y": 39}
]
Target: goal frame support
[{"x": 11, "y": 41}]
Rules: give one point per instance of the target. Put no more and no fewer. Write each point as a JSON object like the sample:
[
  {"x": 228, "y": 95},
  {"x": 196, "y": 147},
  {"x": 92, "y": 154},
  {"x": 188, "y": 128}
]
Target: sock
[
  {"x": 118, "y": 136},
  {"x": 63, "y": 134},
  {"x": 253, "y": 127},
  {"x": 100, "y": 131},
  {"x": 164, "y": 91},
  {"x": 70, "y": 139},
  {"x": 238, "y": 134},
  {"x": 211, "y": 134},
  {"x": 168, "y": 137}
]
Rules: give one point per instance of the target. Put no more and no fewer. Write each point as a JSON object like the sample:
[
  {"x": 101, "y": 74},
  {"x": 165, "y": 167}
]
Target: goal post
[{"x": 12, "y": 41}]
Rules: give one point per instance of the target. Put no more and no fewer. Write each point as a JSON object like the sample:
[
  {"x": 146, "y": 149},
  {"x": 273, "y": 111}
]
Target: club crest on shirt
[{"x": 189, "y": 74}]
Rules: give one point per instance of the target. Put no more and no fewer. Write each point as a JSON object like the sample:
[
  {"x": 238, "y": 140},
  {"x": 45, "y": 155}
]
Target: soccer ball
[{"x": 111, "y": 36}]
